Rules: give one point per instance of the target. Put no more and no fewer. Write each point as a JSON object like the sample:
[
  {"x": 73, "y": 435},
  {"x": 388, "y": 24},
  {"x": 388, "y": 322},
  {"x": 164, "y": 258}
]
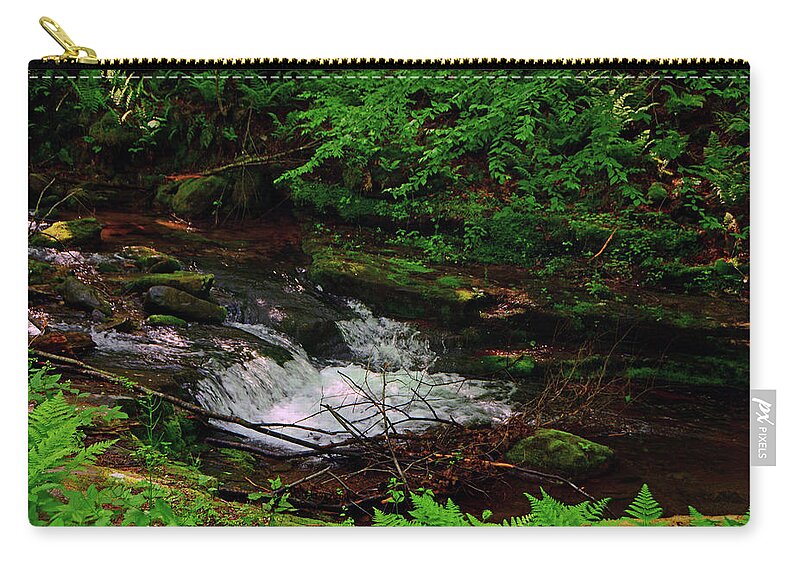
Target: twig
[
  {"x": 605, "y": 245},
  {"x": 104, "y": 375}
]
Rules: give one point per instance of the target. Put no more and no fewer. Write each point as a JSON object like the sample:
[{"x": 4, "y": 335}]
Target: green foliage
[
  {"x": 644, "y": 510},
  {"x": 544, "y": 511},
  {"x": 476, "y": 167},
  {"x": 56, "y": 450}
]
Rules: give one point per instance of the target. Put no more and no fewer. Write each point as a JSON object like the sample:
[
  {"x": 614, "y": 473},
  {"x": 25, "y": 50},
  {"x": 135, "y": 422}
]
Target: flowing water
[
  {"x": 380, "y": 379},
  {"x": 386, "y": 384},
  {"x": 290, "y": 355}
]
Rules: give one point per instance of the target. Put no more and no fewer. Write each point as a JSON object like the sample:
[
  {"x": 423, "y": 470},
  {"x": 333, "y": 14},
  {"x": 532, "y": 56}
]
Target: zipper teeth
[{"x": 426, "y": 63}]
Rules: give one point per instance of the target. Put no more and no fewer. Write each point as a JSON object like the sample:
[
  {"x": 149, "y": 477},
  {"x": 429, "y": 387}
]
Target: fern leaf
[
  {"x": 644, "y": 509},
  {"x": 696, "y": 518}
]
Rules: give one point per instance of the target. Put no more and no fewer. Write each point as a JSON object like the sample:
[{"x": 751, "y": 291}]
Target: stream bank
[{"x": 282, "y": 307}]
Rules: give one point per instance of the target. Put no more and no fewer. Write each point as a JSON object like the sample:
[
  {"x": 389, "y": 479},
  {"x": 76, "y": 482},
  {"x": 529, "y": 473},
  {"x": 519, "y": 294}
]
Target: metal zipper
[{"x": 79, "y": 56}]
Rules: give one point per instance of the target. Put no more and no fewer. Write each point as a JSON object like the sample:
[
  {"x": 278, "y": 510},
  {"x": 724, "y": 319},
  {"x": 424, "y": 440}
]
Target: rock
[
  {"x": 196, "y": 197},
  {"x": 166, "y": 265},
  {"x": 165, "y": 321},
  {"x": 560, "y": 452},
  {"x": 120, "y": 325},
  {"x": 67, "y": 343},
  {"x": 106, "y": 267},
  {"x": 162, "y": 299},
  {"x": 109, "y": 132},
  {"x": 401, "y": 287},
  {"x": 317, "y": 335},
  {"x": 197, "y": 284},
  {"x": 150, "y": 260},
  {"x": 78, "y": 294},
  {"x": 83, "y": 231}
]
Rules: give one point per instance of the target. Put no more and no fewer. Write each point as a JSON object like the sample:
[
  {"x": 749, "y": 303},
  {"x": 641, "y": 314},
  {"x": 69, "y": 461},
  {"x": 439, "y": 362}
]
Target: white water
[{"x": 388, "y": 382}]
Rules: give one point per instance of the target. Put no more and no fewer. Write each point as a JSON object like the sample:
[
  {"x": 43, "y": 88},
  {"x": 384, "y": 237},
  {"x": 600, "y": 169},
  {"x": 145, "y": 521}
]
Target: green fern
[
  {"x": 55, "y": 450},
  {"x": 696, "y": 518},
  {"x": 548, "y": 511},
  {"x": 644, "y": 510}
]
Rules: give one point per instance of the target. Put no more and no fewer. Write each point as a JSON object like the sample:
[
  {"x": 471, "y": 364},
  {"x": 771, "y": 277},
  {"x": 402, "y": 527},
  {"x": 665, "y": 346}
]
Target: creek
[{"x": 317, "y": 366}]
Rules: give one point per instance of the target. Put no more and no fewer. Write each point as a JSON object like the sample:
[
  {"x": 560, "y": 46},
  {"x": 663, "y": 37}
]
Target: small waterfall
[{"x": 389, "y": 381}]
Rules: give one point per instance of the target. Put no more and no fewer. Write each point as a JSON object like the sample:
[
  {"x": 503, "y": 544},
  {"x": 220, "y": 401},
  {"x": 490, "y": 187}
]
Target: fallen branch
[
  {"x": 107, "y": 376},
  {"x": 259, "y": 160},
  {"x": 605, "y": 245}
]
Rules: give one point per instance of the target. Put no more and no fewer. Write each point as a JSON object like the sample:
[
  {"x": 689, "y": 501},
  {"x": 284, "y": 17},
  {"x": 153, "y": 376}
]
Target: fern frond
[
  {"x": 548, "y": 511},
  {"x": 644, "y": 509},
  {"x": 696, "y": 518},
  {"x": 380, "y": 518}
]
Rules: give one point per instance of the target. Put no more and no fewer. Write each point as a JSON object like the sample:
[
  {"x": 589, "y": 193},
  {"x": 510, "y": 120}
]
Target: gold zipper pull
[{"x": 72, "y": 52}]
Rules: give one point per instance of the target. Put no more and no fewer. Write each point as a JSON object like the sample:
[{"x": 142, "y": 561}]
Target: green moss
[
  {"x": 730, "y": 371},
  {"x": 516, "y": 365},
  {"x": 198, "y": 284},
  {"x": 560, "y": 452},
  {"x": 196, "y": 197},
  {"x": 40, "y": 272},
  {"x": 165, "y": 321},
  {"x": 151, "y": 260},
  {"x": 82, "y": 231},
  {"x": 108, "y": 131},
  {"x": 450, "y": 281},
  {"x": 402, "y": 287}
]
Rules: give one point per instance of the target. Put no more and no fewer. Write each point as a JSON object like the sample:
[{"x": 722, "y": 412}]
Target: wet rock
[
  {"x": 66, "y": 343},
  {"x": 400, "y": 287},
  {"x": 83, "y": 231},
  {"x": 317, "y": 335},
  {"x": 561, "y": 452},
  {"x": 120, "y": 325},
  {"x": 165, "y": 321},
  {"x": 168, "y": 300},
  {"x": 196, "y": 197},
  {"x": 166, "y": 265},
  {"x": 150, "y": 260},
  {"x": 196, "y": 284},
  {"x": 78, "y": 294}
]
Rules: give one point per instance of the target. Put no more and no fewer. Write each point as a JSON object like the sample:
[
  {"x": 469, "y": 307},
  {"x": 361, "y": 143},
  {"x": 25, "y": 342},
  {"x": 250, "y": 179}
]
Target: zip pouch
[{"x": 381, "y": 292}]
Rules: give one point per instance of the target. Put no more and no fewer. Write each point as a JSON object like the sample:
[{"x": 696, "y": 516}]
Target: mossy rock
[
  {"x": 197, "y": 284},
  {"x": 165, "y": 193},
  {"x": 168, "y": 300},
  {"x": 165, "y": 321},
  {"x": 83, "y": 231},
  {"x": 108, "y": 131},
  {"x": 196, "y": 197},
  {"x": 560, "y": 452},
  {"x": 78, "y": 294},
  {"x": 150, "y": 260},
  {"x": 401, "y": 287}
]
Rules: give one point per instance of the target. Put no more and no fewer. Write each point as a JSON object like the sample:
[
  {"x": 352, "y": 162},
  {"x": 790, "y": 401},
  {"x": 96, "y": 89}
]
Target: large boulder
[
  {"x": 78, "y": 294},
  {"x": 197, "y": 284},
  {"x": 69, "y": 233},
  {"x": 170, "y": 301},
  {"x": 560, "y": 452},
  {"x": 196, "y": 197}
]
